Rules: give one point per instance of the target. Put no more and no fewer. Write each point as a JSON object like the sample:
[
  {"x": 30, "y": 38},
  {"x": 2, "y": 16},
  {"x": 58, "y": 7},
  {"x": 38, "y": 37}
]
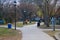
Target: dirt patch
[
  {"x": 16, "y": 37},
  {"x": 52, "y": 33}
]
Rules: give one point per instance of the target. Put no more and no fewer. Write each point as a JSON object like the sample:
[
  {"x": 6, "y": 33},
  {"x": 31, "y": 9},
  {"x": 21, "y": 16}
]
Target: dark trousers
[{"x": 38, "y": 24}]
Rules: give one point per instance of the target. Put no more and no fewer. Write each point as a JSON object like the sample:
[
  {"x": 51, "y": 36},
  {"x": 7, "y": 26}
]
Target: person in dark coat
[
  {"x": 38, "y": 24},
  {"x": 39, "y": 21}
]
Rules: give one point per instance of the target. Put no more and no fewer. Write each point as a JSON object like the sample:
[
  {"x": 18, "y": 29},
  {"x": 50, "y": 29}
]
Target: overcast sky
[
  {"x": 9, "y": 1},
  {"x": 12, "y": 1}
]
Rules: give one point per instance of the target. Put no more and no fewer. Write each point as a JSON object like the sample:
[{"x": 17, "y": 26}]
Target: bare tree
[
  {"x": 47, "y": 10},
  {"x": 1, "y": 10},
  {"x": 27, "y": 10},
  {"x": 23, "y": 10}
]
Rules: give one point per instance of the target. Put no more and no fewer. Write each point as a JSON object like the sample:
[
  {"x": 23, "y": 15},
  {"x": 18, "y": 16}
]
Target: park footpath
[{"x": 31, "y": 32}]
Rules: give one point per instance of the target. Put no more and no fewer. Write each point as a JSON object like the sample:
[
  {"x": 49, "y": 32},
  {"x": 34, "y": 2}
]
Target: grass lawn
[
  {"x": 52, "y": 33},
  {"x": 30, "y": 23},
  {"x": 10, "y": 34},
  {"x": 20, "y": 24},
  {"x": 7, "y": 32}
]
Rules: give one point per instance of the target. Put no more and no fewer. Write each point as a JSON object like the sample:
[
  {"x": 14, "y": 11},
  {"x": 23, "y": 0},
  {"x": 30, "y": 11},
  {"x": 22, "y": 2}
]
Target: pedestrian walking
[
  {"x": 53, "y": 21},
  {"x": 39, "y": 21},
  {"x": 38, "y": 24}
]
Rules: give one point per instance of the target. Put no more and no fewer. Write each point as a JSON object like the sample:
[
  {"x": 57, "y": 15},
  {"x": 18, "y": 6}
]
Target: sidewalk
[
  {"x": 51, "y": 27},
  {"x": 31, "y": 32}
]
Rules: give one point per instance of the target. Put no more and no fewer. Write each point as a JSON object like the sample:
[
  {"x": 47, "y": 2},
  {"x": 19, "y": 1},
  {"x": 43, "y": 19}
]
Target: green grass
[
  {"x": 21, "y": 24},
  {"x": 7, "y": 32},
  {"x": 30, "y": 23}
]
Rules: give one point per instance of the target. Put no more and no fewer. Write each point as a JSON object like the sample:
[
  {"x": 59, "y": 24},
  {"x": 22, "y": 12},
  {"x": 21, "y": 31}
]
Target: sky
[
  {"x": 12, "y": 1},
  {"x": 9, "y": 1}
]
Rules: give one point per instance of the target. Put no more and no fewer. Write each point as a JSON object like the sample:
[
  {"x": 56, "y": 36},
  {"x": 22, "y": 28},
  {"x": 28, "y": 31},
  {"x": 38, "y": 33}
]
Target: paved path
[{"x": 31, "y": 32}]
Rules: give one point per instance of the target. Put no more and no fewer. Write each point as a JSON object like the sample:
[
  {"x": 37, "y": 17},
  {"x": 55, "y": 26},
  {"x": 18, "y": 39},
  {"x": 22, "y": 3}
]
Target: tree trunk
[{"x": 46, "y": 14}]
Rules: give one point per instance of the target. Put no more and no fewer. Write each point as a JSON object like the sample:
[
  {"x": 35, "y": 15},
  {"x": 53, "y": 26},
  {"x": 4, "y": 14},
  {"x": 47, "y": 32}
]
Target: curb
[{"x": 57, "y": 36}]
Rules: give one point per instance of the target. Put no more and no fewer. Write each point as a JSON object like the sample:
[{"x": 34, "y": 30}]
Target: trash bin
[{"x": 9, "y": 25}]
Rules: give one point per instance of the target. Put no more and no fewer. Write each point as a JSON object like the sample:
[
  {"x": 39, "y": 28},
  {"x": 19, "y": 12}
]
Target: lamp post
[{"x": 15, "y": 13}]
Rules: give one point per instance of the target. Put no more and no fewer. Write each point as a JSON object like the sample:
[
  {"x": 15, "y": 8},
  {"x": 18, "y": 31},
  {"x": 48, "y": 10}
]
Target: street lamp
[{"x": 15, "y": 13}]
